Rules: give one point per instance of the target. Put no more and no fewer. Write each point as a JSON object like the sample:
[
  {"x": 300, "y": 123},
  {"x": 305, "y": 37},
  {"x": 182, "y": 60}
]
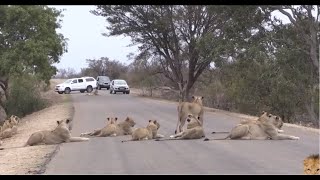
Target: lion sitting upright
[
  {"x": 185, "y": 108},
  {"x": 9, "y": 127},
  {"x": 194, "y": 130}
]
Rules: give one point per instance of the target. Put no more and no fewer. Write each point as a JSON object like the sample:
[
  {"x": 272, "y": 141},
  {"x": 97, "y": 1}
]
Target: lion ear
[{"x": 155, "y": 121}]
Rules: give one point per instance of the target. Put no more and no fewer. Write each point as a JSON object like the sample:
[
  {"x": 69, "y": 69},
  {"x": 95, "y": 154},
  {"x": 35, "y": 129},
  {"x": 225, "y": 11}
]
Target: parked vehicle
[
  {"x": 103, "y": 82},
  {"x": 77, "y": 84},
  {"x": 119, "y": 85}
]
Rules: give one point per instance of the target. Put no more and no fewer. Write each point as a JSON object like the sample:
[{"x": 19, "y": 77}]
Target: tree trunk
[
  {"x": 182, "y": 91},
  {"x": 310, "y": 106},
  {"x": 313, "y": 48},
  {"x": 3, "y": 96}
]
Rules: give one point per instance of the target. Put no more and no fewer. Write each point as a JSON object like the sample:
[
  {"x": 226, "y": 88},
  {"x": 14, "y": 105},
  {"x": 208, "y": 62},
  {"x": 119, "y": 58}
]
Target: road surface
[{"x": 109, "y": 156}]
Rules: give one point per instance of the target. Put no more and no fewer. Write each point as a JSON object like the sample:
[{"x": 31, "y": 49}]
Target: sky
[{"x": 84, "y": 31}]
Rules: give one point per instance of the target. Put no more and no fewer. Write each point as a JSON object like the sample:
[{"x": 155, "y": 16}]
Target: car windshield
[
  {"x": 120, "y": 82},
  {"x": 68, "y": 81},
  {"x": 104, "y": 78}
]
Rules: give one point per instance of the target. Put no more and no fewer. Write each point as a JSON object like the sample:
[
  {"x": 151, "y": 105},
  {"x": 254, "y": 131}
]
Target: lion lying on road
[
  {"x": 147, "y": 133},
  {"x": 194, "y": 130},
  {"x": 277, "y": 124},
  {"x": 61, "y": 134},
  {"x": 123, "y": 128},
  {"x": 264, "y": 128}
]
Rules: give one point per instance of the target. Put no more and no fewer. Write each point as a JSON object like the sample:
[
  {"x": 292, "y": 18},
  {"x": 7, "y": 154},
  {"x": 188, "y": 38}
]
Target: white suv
[
  {"x": 77, "y": 84},
  {"x": 119, "y": 85}
]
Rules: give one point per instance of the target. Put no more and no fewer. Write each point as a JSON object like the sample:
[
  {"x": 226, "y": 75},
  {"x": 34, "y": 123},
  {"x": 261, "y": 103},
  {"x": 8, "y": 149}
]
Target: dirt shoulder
[
  {"x": 31, "y": 160},
  {"x": 137, "y": 92}
]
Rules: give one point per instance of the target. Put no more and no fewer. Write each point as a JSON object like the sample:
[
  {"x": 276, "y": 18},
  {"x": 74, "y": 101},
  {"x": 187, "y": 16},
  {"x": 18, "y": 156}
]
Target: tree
[
  {"x": 306, "y": 26},
  {"x": 105, "y": 67},
  {"x": 185, "y": 39},
  {"x": 29, "y": 43}
]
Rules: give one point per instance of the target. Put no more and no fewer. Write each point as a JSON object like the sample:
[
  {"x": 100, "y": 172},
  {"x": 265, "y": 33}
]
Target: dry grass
[{"x": 30, "y": 160}]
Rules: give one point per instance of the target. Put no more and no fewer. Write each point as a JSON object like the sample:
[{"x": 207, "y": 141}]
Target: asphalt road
[{"x": 109, "y": 156}]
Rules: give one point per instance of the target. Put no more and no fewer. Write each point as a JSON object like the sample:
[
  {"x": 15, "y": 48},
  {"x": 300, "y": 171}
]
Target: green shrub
[{"x": 24, "y": 96}]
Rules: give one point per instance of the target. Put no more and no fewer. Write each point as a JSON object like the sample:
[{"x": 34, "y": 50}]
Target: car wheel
[
  {"x": 60, "y": 92},
  {"x": 124, "y": 92},
  {"x": 128, "y": 92},
  {"x": 89, "y": 89},
  {"x": 67, "y": 90},
  {"x": 82, "y": 91}
]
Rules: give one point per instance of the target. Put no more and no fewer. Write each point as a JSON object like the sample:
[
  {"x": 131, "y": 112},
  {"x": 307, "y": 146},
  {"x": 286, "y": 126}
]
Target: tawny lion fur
[
  {"x": 120, "y": 129},
  {"x": 61, "y": 134},
  {"x": 277, "y": 125},
  {"x": 262, "y": 129},
  {"x": 147, "y": 133},
  {"x": 194, "y": 130},
  {"x": 185, "y": 108},
  {"x": 10, "y": 127},
  {"x": 311, "y": 165}
]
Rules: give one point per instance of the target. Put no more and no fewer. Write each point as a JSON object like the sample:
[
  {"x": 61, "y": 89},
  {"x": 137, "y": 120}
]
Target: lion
[
  {"x": 9, "y": 132},
  {"x": 122, "y": 128},
  {"x": 94, "y": 93},
  {"x": 311, "y": 164},
  {"x": 146, "y": 133},
  {"x": 194, "y": 130},
  {"x": 184, "y": 108},
  {"x": 262, "y": 129},
  {"x": 109, "y": 130},
  {"x": 277, "y": 125},
  {"x": 125, "y": 127},
  {"x": 61, "y": 134},
  {"x": 10, "y": 127}
]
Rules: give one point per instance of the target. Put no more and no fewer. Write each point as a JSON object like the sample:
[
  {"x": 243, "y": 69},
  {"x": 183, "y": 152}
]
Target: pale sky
[{"x": 84, "y": 29}]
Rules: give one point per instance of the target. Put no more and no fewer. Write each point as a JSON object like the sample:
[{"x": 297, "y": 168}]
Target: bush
[{"x": 24, "y": 96}]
